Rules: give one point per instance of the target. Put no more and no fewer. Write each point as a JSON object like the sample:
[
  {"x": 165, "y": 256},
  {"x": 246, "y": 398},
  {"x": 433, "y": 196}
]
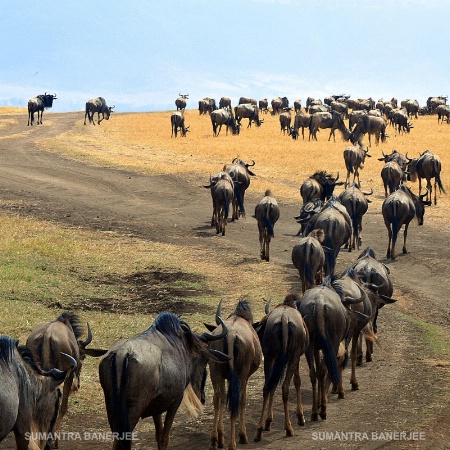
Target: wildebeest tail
[
  {"x": 281, "y": 361},
  {"x": 234, "y": 384},
  {"x": 118, "y": 419},
  {"x": 226, "y": 204},
  {"x": 308, "y": 272},
  {"x": 239, "y": 200},
  {"x": 330, "y": 259},
  {"x": 268, "y": 221},
  {"x": 437, "y": 170},
  {"x": 329, "y": 354}
]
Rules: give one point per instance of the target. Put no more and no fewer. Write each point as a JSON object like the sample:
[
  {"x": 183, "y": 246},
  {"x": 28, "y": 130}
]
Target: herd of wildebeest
[{"x": 153, "y": 373}]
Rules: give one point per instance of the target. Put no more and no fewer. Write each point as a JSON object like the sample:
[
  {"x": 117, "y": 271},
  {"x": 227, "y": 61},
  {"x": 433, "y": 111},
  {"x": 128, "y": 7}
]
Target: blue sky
[{"x": 140, "y": 55}]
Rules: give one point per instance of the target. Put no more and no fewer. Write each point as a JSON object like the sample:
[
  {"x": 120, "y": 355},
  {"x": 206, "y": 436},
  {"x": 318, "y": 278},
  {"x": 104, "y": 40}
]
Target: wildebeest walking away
[
  {"x": 180, "y": 102},
  {"x": 267, "y": 213},
  {"x": 177, "y": 124},
  {"x": 37, "y": 104},
  {"x": 153, "y": 373},
  {"x": 284, "y": 338},
  {"x": 354, "y": 157},
  {"x": 97, "y": 105},
  {"x": 223, "y": 116}
]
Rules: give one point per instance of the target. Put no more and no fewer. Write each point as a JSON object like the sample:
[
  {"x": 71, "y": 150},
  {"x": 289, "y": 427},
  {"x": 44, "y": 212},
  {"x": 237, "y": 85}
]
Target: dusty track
[{"x": 400, "y": 390}]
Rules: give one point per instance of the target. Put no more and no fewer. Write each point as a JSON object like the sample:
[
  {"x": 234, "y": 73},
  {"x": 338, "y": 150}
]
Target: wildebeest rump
[
  {"x": 177, "y": 123},
  {"x": 354, "y": 157},
  {"x": 29, "y": 396},
  {"x": 49, "y": 340},
  {"x": 37, "y": 104},
  {"x": 284, "y": 338},
  {"x": 180, "y": 102},
  {"x": 150, "y": 374}
]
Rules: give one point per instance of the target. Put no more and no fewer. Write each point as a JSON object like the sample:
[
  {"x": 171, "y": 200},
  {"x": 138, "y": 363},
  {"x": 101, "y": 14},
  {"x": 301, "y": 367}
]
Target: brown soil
[{"x": 401, "y": 390}]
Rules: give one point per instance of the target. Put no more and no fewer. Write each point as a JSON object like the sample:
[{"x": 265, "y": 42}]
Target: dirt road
[{"x": 400, "y": 390}]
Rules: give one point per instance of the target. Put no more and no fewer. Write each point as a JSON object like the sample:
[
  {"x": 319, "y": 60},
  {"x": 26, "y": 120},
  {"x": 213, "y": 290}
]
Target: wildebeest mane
[
  {"x": 7, "y": 345},
  {"x": 75, "y": 322},
  {"x": 368, "y": 252},
  {"x": 243, "y": 310}
]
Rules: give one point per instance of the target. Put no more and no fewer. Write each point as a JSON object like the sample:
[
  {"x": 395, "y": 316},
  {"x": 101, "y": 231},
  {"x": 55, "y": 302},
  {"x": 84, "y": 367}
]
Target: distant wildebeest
[
  {"x": 297, "y": 106},
  {"x": 285, "y": 121},
  {"x": 245, "y": 354},
  {"x": 354, "y": 116},
  {"x": 312, "y": 101},
  {"x": 301, "y": 120},
  {"x": 37, "y": 104},
  {"x": 354, "y": 157},
  {"x": 225, "y": 102},
  {"x": 379, "y": 288},
  {"x": 240, "y": 174},
  {"x": 398, "y": 209},
  {"x": 177, "y": 123},
  {"x": 340, "y": 107},
  {"x": 308, "y": 258},
  {"x": 396, "y": 156},
  {"x": 412, "y": 108},
  {"x": 222, "y": 194},
  {"x": 206, "y": 105},
  {"x": 153, "y": 373},
  {"x": 29, "y": 396},
  {"x": 356, "y": 203},
  {"x": 243, "y": 100},
  {"x": 443, "y": 111},
  {"x": 223, "y": 116},
  {"x": 399, "y": 119},
  {"x": 97, "y": 105},
  {"x": 267, "y": 213},
  {"x": 320, "y": 185},
  {"x": 434, "y": 102},
  {"x": 264, "y": 105},
  {"x": 427, "y": 166},
  {"x": 327, "y": 322},
  {"x": 318, "y": 108},
  {"x": 180, "y": 102},
  {"x": 247, "y": 111},
  {"x": 392, "y": 176},
  {"x": 332, "y": 120},
  {"x": 278, "y": 104},
  {"x": 369, "y": 125},
  {"x": 308, "y": 210},
  {"x": 49, "y": 340},
  {"x": 284, "y": 338},
  {"x": 337, "y": 226}
]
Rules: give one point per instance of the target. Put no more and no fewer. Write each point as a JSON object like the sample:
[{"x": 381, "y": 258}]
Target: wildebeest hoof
[
  {"x": 355, "y": 387},
  {"x": 243, "y": 439},
  {"x": 323, "y": 415},
  {"x": 289, "y": 432},
  {"x": 314, "y": 417},
  {"x": 341, "y": 395},
  {"x": 258, "y": 435},
  {"x": 267, "y": 425},
  {"x": 301, "y": 420}
]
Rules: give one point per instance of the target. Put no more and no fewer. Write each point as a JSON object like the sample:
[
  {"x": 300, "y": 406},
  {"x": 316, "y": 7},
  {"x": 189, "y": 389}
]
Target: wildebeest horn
[
  {"x": 368, "y": 193},
  {"x": 215, "y": 337},
  {"x": 337, "y": 177},
  {"x": 267, "y": 307},
  {"x": 234, "y": 160},
  {"x": 113, "y": 106},
  {"x": 424, "y": 195},
  {"x": 88, "y": 339},
  {"x": 406, "y": 156},
  {"x": 56, "y": 374},
  {"x": 250, "y": 165}
]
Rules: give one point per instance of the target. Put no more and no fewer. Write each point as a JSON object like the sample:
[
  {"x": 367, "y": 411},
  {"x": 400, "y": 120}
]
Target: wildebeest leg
[
  {"x": 269, "y": 417},
  {"x": 243, "y": 439},
  {"x": 157, "y": 420},
  {"x": 359, "y": 351},
  {"x": 266, "y": 244},
  {"x": 24, "y": 444},
  {"x": 67, "y": 387},
  {"x": 163, "y": 441},
  {"x": 39, "y": 121},
  {"x": 260, "y": 428},
  {"x": 354, "y": 355},
  {"x": 285, "y": 395},
  {"x": 297, "y": 384},
  {"x": 261, "y": 241},
  {"x": 311, "y": 359},
  {"x": 322, "y": 389},
  {"x": 405, "y": 233},
  {"x": 219, "y": 400},
  {"x": 388, "y": 226}
]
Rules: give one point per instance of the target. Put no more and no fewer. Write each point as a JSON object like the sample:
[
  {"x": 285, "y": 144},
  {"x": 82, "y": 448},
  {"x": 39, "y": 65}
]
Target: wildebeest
[
  {"x": 180, "y": 102},
  {"x": 264, "y": 105},
  {"x": 392, "y": 176},
  {"x": 327, "y": 322},
  {"x": 247, "y": 111},
  {"x": 354, "y": 157},
  {"x": 396, "y": 156},
  {"x": 399, "y": 119},
  {"x": 318, "y": 108},
  {"x": 278, "y": 104},
  {"x": 297, "y": 106},
  {"x": 332, "y": 120},
  {"x": 301, "y": 120},
  {"x": 206, "y": 105},
  {"x": 308, "y": 210},
  {"x": 284, "y": 338},
  {"x": 223, "y": 116},
  {"x": 240, "y": 174},
  {"x": 321, "y": 185},
  {"x": 222, "y": 194},
  {"x": 29, "y": 396},
  {"x": 267, "y": 213},
  {"x": 225, "y": 102},
  {"x": 97, "y": 105},
  {"x": 427, "y": 166},
  {"x": 308, "y": 258},
  {"x": 312, "y": 101},
  {"x": 340, "y": 107},
  {"x": 412, "y": 108},
  {"x": 371, "y": 125},
  {"x": 243, "y": 100},
  {"x": 356, "y": 203},
  {"x": 285, "y": 121},
  {"x": 434, "y": 102},
  {"x": 177, "y": 123},
  {"x": 337, "y": 226},
  {"x": 354, "y": 116},
  {"x": 37, "y": 104},
  {"x": 152, "y": 373},
  {"x": 245, "y": 354},
  {"x": 443, "y": 111},
  {"x": 398, "y": 209},
  {"x": 49, "y": 340},
  {"x": 379, "y": 287}
]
